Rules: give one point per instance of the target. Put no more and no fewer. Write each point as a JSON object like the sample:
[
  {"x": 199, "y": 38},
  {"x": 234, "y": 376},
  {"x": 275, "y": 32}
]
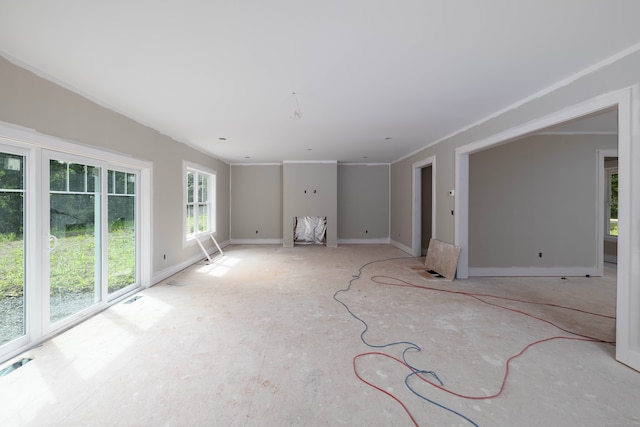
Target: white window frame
[
  {"x": 190, "y": 239},
  {"x": 607, "y": 206},
  {"x": 34, "y": 145}
]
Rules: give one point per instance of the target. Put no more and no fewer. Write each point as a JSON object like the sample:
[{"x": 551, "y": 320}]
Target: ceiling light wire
[{"x": 297, "y": 112}]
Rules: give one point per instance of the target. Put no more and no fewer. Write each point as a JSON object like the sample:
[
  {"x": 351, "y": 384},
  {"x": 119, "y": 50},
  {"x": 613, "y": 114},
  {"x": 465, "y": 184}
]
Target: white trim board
[
  {"x": 600, "y": 207},
  {"x": 256, "y": 241},
  {"x": 310, "y": 161},
  {"x": 176, "y": 268},
  {"x": 373, "y": 241},
  {"x": 533, "y": 271},
  {"x": 255, "y": 164}
]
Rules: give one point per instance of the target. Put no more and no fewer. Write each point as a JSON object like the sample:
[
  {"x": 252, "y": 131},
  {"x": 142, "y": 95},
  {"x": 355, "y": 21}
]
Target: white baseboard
[
  {"x": 256, "y": 241},
  {"x": 159, "y": 276},
  {"x": 402, "y": 247},
  {"x": 224, "y": 244},
  {"x": 375, "y": 241},
  {"x": 532, "y": 271},
  {"x": 611, "y": 258}
]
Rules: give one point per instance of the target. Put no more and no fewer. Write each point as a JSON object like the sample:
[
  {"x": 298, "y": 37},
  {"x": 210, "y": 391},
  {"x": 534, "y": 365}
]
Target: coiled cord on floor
[
  {"x": 366, "y": 326},
  {"x": 410, "y": 345},
  {"x": 420, "y": 373}
]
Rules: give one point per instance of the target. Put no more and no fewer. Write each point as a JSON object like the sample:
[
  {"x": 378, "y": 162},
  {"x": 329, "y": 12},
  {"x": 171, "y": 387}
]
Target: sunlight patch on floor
[
  {"x": 219, "y": 267},
  {"x": 145, "y": 312}
]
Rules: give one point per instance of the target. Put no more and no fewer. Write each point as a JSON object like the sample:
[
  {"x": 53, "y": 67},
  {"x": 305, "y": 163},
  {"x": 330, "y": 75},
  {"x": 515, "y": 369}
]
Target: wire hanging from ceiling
[{"x": 297, "y": 112}]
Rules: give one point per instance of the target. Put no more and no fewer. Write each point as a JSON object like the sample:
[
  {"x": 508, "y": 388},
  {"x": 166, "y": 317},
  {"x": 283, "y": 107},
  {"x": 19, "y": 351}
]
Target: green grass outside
[
  {"x": 11, "y": 270},
  {"x": 72, "y": 263}
]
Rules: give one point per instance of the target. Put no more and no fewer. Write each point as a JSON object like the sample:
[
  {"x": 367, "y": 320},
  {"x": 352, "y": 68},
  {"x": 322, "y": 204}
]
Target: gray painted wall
[
  {"x": 618, "y": 75},
  {"x": 537, "y": 194},
  {"x": 363, "y": 201},
  {"x": 310, "y": 189},
  {"x": 256, "y": 202},
  {"x": 30, "y": 101}
]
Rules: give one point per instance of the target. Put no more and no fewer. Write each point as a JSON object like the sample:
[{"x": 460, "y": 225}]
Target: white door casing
[{"x": 627, "y": 102}]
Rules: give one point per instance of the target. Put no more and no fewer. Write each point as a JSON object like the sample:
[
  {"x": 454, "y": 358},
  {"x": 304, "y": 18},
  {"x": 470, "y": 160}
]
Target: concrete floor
[{"x": 257, "y": 340}]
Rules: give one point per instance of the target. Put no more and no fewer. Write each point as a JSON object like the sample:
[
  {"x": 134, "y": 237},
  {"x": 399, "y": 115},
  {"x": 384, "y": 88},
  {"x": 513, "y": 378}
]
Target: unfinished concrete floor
[{"x": 257, "y": 339}]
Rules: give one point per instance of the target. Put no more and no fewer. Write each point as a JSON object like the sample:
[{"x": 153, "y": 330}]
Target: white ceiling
[{"x": 364, "y": 71}]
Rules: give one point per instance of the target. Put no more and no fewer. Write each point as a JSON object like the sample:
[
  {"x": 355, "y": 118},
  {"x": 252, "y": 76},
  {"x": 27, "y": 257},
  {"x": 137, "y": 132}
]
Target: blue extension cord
[{"x": 410, "y": 345}]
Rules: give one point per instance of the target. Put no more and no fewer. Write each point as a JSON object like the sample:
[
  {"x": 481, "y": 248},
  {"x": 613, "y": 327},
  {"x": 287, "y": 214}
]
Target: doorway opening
[
  {"x": 424, "y": 205},
  {"x": 628, "y": 274},
  {"x": 608, "y": 196},
  {"x": 535, "y": 208}
]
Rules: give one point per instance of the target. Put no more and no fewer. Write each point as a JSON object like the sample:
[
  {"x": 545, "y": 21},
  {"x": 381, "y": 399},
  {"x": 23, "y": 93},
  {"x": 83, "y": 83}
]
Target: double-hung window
[{"x": 200, "y": 198}]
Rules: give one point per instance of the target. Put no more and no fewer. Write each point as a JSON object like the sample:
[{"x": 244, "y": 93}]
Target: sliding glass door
[
  {"x": 74, "y": 235},
  {"x": 69, "y": 240},
  {"x": 122, "y": 231},
  {"x": 12, "y": 245}
]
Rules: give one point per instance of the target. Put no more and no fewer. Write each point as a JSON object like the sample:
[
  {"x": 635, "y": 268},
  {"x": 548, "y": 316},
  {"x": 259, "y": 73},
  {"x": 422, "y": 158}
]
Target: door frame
[
  {"x": 33, "y": 143},
  {"x": 45, "y": 211},
  {"x": 627, "y": 103},
  {"x": 601, "y": 205},
  {"x": 416, "y": 239},
  {"x": 29, "y": 236}
]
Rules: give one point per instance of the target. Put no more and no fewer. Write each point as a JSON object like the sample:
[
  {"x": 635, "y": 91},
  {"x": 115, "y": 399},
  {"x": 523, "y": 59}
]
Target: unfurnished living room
[{"x": 285, "y": 213}]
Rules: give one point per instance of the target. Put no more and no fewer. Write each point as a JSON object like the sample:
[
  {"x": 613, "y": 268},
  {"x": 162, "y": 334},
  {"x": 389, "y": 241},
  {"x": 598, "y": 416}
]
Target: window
[
  {"x": 611, "y": 216},
  {"x": 200, "y": 198},
  {"x": 122, "y": 229},
  {"x": 82, "y": 208}
]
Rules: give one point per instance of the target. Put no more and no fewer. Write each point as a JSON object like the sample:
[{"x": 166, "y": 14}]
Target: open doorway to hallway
[
  {"x": 628, "y": 309},
  {"x": 424, "y": 205},
  {"x": 426, "y": 212},
  {"x": 537, "y": 204}
]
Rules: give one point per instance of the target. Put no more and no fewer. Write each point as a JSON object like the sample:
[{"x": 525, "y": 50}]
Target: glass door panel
[
  {"x": 12, "y": 247},
  {"x": 121, "y": 237},
  {"x": 69, "y": 240},
  {"x": 75, "y": 237}
]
